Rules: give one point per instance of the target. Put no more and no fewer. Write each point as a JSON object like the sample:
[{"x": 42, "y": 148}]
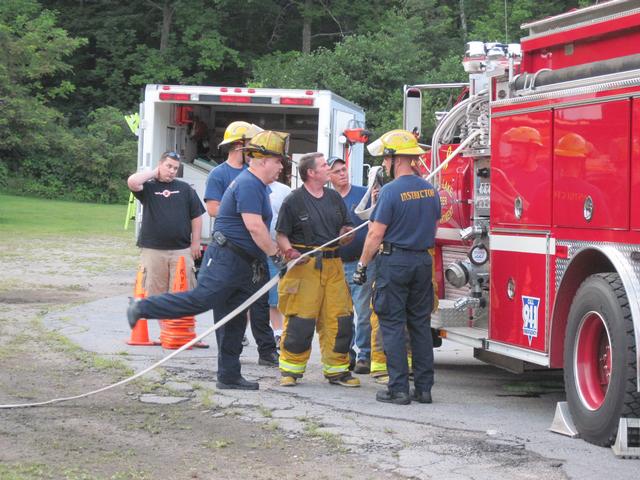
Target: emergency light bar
[
  {"x": 183, "y": 97},
  {"x": 246, "y": 99},
  {"x": 233, "y": 99},
  {"x": 296, "y": 101}
]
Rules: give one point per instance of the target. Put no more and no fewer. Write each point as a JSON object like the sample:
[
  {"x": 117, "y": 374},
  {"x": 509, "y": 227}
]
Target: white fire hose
[
  {"x": 360, "y": 211},
  {"x": 265, "y": 288}
]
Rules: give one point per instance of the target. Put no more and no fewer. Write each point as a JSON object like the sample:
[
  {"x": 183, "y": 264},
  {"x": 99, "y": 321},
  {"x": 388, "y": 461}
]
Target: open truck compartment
[{"x": 191, "y": 121}]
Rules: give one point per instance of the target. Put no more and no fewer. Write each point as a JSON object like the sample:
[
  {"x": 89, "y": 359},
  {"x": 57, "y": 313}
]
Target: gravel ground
[{"x": 115, "y": 435}]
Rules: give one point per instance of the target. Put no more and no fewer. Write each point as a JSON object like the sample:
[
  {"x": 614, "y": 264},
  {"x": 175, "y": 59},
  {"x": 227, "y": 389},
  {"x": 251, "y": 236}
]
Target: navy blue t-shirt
[
  {"x": 352, "y": 252},
  {"x": 219, "y": 180},
  {"x": 246, "y": 194},
  {"x": 409, "y": 207}
]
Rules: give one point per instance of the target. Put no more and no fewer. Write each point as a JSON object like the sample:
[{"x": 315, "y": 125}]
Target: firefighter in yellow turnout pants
[
  {"x": 314, "y": 295},
  {"x": 378, "y": 358}
]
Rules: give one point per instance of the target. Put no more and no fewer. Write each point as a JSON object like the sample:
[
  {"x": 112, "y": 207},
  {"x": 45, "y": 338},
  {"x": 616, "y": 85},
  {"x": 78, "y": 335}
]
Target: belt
[
  {"x": 258, "y": 268},
  {"x": 322, "y": 253},
  {"x": 387, "y": 248},
  {"x": 223, "y": 241}
]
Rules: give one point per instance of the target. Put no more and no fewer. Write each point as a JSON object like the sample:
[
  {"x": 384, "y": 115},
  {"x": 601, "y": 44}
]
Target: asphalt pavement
[{"x": 484, "y": 422}]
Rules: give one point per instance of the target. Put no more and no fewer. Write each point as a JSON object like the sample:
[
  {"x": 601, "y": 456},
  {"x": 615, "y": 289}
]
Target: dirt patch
[
  {"x": 113, "y": 435},
  {"x": 35, "y": 295}
]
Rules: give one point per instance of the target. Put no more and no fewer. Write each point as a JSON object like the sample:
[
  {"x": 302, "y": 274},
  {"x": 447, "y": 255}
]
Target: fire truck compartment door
[
  {"x": 519, "y": 280},
  {"x": 521, "y": 169},
  {"x": 591, "y": 165}
]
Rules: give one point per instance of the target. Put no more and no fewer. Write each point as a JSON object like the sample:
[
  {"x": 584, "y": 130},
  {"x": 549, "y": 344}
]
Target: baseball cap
[{"x": 334, "y": 159}]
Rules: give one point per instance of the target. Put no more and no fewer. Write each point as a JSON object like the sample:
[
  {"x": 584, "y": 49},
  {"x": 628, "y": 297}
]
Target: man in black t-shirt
[
  {"x": 314, "y": 295},
  {"x": 171, "y": 223}
]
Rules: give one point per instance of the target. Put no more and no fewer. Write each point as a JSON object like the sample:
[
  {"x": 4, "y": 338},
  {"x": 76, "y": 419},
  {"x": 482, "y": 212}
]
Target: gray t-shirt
[{"x": 279, "y": 192}]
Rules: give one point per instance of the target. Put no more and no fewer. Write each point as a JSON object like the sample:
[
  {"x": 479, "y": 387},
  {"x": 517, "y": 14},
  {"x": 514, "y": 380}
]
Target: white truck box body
[{"x": 315, "y": 119}]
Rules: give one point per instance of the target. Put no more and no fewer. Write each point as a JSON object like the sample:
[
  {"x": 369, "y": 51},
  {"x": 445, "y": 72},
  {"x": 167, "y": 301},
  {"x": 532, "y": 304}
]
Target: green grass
[
  {"x": 25, "y": 472},
  {"x": 27, "y": 216},
  {"x": 218, "y": 444}
]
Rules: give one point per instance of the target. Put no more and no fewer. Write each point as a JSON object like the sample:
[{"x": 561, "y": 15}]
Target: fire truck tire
[{"x": 600, "y": 359}]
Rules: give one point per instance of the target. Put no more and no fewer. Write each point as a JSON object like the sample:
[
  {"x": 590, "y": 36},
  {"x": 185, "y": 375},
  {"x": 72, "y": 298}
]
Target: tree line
[{"x": 71, "y": 69}]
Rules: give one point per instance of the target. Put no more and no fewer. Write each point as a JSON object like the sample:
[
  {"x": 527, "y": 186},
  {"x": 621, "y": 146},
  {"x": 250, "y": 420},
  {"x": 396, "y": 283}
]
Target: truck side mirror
[{"x": 412, "y": 120}]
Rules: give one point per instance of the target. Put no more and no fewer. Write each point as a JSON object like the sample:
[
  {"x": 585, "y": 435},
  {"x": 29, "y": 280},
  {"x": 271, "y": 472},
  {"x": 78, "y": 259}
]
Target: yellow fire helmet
[
  {"x": 394, "y": 143},
  {"x": 239, "y": 131},
  {"x": 523, "y": 135},
  {"x": 269, "y": 143},
  {"x": 573, "y": 145}
]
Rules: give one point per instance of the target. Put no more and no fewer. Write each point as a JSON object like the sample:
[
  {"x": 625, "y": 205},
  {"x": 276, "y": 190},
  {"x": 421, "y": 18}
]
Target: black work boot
[
  {"x": 269, "y": 360},
  {"x": 239, "y": 384},
  {"x": 399, "y": 398},
  {"x": 422, "y": 397},
  {"x": 133, "y": 312}
]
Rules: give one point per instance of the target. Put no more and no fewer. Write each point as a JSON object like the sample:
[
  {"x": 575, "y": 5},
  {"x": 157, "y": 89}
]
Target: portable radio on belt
[
  {"x": 219, "y": 238},
  {"x": 386, "y": 248}
]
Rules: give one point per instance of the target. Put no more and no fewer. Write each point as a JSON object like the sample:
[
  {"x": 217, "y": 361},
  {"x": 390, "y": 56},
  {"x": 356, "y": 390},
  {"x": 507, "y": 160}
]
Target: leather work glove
[
  {"x": 280, "y": 262},
  {"x": 360, "y": 275}
]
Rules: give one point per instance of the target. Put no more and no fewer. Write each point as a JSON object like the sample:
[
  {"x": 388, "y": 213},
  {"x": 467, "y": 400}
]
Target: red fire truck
[{"x": 538, "y": 167}]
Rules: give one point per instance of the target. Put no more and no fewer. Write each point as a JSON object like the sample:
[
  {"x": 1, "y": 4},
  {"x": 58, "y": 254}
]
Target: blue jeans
[
  {"x": 361, "y": 296},
  {"x": 273, "y": 293}
]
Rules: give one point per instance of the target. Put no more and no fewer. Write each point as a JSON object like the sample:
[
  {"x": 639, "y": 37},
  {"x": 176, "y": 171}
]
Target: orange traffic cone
[
  {"x": 140, "y": 333},
  {"x": 175, "y": 333}
]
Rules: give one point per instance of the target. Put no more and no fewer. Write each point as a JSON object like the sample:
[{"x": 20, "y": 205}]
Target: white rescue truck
[{"x": 191, "y": 121}]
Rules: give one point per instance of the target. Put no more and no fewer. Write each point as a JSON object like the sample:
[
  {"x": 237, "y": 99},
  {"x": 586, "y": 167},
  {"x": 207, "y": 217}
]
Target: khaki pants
[{"x": 159, "y": 268}]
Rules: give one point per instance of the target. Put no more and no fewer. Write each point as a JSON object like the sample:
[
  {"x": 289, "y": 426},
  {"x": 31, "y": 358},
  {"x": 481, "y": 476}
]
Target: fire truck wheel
[{"x": 600, "y": 359}]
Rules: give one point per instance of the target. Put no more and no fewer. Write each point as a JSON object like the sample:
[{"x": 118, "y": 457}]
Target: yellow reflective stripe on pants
[
  {"x": 333, "y": 370},
  {"x": 378, "y": 368},
  {"x": 292, "y": 367}
]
